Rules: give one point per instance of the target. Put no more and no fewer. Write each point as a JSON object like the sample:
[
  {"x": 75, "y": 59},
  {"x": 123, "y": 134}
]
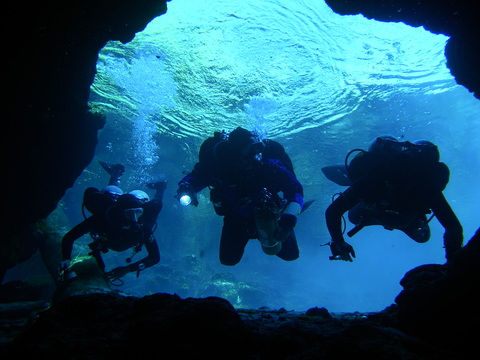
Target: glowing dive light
[{"x": 185, "y": 200}]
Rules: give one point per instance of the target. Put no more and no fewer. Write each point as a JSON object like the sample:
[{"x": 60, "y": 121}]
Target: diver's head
[
  {"x": 385, "y": 145},
  {"x": 245, "y": 146},
  {"x": 112, "y": 191},
  {"x": 428, "y": 148},
  {"x": 127, "y": 212},
  {"x": 140, "y": 195},
  {"x": 132, "y": 218}
]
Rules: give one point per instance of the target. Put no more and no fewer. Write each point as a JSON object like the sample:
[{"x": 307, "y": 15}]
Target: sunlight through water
[
  {"x": 315, "y": 65},
  {"x": 321, "y": 84}
]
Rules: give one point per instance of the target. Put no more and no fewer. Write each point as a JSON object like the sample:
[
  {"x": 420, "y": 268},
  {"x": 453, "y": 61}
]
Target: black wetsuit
[
  {"x": 239, "y": 190},
  {"x": 396, "y": 192},
  {"x": 107, "y": 223}
]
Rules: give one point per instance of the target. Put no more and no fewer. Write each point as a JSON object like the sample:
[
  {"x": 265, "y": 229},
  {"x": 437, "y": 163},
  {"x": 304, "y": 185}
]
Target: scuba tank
[{"x": 266, "y": 214}]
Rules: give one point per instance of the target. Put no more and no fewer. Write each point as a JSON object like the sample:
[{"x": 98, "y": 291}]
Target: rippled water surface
[{"x": 212, "y": 58}]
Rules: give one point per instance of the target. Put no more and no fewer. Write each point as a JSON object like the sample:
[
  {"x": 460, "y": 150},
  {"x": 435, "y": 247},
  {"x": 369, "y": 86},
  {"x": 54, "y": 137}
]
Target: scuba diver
[
  {"x": 118, "y": 222},
  {"x": 396, "y": 185},
  {"x": 245, "y": 175}
]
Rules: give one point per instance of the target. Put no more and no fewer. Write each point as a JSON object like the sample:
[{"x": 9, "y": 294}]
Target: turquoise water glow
[
  {"x": 317, "y": 66},
  {"x": 321, "y": 84}
]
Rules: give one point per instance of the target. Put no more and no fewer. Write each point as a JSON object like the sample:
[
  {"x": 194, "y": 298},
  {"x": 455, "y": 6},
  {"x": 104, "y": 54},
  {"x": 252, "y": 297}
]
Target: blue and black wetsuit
[{"x": 239, "y": 189}]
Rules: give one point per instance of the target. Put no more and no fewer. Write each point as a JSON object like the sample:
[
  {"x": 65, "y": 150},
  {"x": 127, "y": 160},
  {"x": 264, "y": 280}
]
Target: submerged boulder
[{"x": 439, "y": 302}]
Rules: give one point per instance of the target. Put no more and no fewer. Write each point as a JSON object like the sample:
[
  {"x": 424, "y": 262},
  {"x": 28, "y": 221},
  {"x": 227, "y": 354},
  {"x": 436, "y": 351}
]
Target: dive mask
[{"x": 133, "y": 214}]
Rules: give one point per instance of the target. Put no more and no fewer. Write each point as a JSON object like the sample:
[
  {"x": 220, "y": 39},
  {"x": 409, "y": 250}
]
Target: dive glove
[
  {"x": 63, "y": 266},
  {"x": 63, "y": 271},
  {"x": 287, "y": 222},
  {"x": 341, "y": 251}
]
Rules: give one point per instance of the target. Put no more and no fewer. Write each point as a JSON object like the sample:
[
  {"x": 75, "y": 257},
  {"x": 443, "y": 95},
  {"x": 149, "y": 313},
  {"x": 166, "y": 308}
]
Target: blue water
[{"x": 319, "y": 83}]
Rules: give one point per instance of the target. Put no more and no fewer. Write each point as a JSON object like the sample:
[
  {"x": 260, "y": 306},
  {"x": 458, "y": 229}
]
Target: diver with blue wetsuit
[{"x": 244, "y": 179}]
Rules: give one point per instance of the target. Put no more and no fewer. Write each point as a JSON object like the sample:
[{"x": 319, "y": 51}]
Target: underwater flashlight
[
  {"x": 185, "y": 199},
  {"x": 186, "y": 196}
]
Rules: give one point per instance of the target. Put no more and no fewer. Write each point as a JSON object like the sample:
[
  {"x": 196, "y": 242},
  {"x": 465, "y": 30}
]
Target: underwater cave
[{"x": 318, "y": 82}]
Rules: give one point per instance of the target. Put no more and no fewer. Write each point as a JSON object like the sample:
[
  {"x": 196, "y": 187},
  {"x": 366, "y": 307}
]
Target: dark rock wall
[
  {"x": 439, "y": 302},
  {"x": 50, "y": 50}
]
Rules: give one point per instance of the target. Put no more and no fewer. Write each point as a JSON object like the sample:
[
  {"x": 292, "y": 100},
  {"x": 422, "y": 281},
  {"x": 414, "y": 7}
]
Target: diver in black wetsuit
[
  {"x": 395, "y": 184},
  {"x": 244, "y": 187},
  {"x": 118, "y": 222}
]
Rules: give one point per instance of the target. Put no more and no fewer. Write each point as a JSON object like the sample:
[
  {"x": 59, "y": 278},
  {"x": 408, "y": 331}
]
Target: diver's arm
[
  {"x": 152, "y": 209},
  {"x": 70, "y": 237},
  {"x": 151, "y": 212},
  {"x": 199, "y": 178},
  {"x": 453, "y": 236},
  {"x": 341, "y": 250},
  {"x": 294, "y": 195},
  {"x": 283, "y": 180},
  {"x": 335, "y": 211},
  {"x": 152, "y": 258}
]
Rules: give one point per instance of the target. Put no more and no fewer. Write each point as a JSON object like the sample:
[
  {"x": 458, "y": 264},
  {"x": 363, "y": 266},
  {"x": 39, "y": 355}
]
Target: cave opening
[{"x": 319, "y": 83}]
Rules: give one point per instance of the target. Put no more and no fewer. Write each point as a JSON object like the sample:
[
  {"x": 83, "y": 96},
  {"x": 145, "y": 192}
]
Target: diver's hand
[
  {"x": 63, "y": 267},
  {"x": 159, "y": 185},
  {"x": 64, "y": 273},
  {"x": 342, "y": 251},
  {"x": 117, "y": 273},
  {"x": 286, "y": 223},
  {"x": 157, "y": 182}
]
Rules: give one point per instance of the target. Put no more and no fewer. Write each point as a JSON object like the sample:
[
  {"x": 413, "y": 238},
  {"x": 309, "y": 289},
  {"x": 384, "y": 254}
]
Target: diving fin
[
  {"x": 337, "y": 174},
  {"x": 306, "y": 205}
]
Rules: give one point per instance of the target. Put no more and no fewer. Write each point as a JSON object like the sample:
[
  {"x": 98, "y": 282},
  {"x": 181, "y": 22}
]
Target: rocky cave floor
[{"x": 104, "y": 326}]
